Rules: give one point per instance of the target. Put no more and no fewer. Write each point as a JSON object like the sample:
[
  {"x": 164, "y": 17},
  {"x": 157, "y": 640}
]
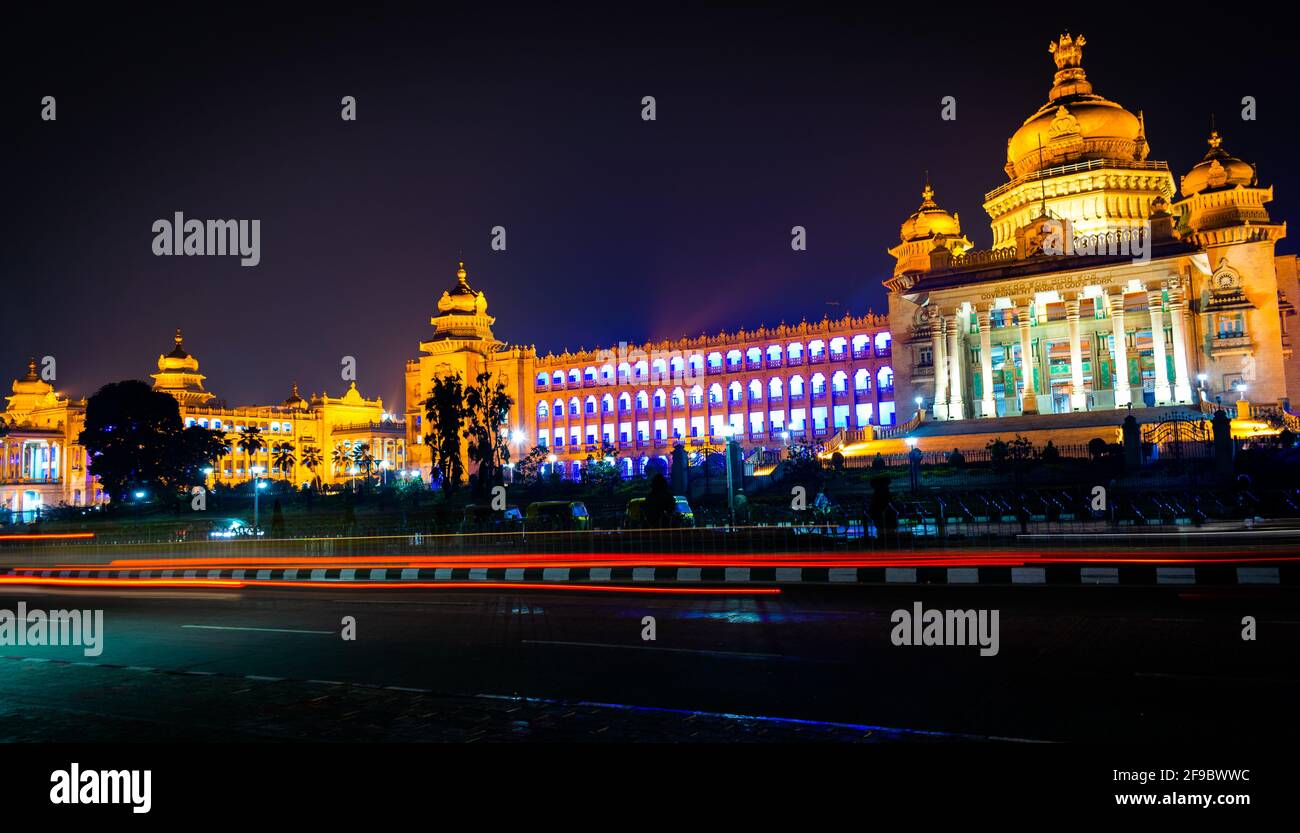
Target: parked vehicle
[
  {"x": 635, "y": 516},
  {"x": 557, "y": 514},
  {"x": 480, "y": 518}
]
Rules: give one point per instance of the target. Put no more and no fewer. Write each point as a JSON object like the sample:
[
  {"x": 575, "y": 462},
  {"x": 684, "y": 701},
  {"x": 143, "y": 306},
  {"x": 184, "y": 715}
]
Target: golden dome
[
  {"x": 1075, "y": 124},
  {"x": 929, "y": 220},
  {"x": 1217, "y": 170}
]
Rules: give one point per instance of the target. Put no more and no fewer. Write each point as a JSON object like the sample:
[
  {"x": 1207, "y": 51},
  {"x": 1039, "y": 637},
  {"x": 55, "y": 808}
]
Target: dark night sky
[{"x": 617, "y": 228}]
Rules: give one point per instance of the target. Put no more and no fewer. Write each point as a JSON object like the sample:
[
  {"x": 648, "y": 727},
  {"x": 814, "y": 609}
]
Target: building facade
[
  {"x": 765, "y": 387},
  {"x": 1104, "y": 288}
]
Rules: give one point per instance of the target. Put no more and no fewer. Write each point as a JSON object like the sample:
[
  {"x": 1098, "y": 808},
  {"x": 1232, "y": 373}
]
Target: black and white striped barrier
[{"x": 1053, "y": 575}]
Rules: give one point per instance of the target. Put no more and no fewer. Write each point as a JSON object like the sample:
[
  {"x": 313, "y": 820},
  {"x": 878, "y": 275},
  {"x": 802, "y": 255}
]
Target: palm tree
[
  {"x": 283, "y": 457},
  {"x": 311, "y": 460},
  {"x": 250, "y": 442},
  {"x": 342, "y": 458},
  {"x": 363, "y": 459}
]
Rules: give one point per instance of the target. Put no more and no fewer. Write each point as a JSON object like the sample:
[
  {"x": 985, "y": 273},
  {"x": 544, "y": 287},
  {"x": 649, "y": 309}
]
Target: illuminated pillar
[
  {"x": 1123, "y": 393},
  {"x": 1155, "y": 302},
  {"x": 1182, "y": 385},
  {"x": 939, "y": 360},
  {"x": 1078, "y": 398},
  {"x": 987, "y": 406},
  {"x": 1029, "y": 398},
  {"x": 956, "y": 394}
]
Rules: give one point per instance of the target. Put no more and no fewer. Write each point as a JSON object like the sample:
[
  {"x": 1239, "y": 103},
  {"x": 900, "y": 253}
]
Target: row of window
[
  {"x": 217, "y": 425},
  {"x": 860, "y": 346},
  {"x": 771, "y": 425},
  {"x": 735, "y": 392}
]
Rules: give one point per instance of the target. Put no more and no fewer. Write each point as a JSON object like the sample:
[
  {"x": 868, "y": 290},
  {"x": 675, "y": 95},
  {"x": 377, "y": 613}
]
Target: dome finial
[
  {"x": 1215, "y": 141},
  {"x": 1067, "y": 51},
  {"x": 179, "y": 338},
  {"x": 927, "y": 193},
  {"x": 31, "y": 369},
  {"x": 461, "y": 274}
]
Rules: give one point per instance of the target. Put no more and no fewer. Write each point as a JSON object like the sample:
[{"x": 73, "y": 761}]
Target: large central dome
[{"x": 1075, "y": 124}]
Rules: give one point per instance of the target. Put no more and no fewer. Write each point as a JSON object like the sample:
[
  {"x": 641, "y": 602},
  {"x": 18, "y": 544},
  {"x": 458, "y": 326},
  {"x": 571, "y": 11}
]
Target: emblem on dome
[
  {"x": 1065, "y": 124},
  {"x": 1067, "y": 51}
]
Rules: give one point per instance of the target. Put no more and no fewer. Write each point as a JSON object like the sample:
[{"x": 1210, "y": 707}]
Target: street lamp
[
  {"x": 257, "y": 485},
  {"x": 550, "y": 460},
  {"x": 919, "y": 401},
  {"x": 1241, "y": 392}
]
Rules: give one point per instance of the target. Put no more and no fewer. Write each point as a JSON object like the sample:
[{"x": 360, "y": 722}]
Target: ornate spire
[
  {"x": 31, "y": 370},
  {"x": 1070, "y": 78}
]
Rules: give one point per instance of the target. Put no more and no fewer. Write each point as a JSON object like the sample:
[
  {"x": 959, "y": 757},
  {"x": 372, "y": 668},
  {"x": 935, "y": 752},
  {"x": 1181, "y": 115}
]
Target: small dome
[
  {"x": 929, "y": 220},
  {"x": 1219, "y": 169},
  {"x": 461, "y": 299}
]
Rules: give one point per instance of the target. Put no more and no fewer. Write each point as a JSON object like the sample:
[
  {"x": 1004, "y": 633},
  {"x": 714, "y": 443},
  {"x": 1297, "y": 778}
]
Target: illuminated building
[
  {"x": 766, "y": 387},
  {"x": 41, "y": 463},
  {"x": 1103, "y": 289}
]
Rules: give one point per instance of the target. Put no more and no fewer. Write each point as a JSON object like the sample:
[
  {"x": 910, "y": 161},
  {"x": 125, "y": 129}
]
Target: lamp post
[
  {"x": 257, "y": 485},
  {"x": 550, "y": 464}
]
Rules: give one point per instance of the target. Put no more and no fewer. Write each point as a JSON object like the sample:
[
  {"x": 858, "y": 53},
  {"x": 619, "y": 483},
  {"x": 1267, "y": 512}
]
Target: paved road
[{"x": 1081, "y": 663}]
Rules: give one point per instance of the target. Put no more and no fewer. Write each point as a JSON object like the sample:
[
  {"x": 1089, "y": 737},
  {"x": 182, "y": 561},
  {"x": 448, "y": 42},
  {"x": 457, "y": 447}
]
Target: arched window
[
  {"x": 734, "y": 391},
  {"x": 607, "y": 404},
  {"x": 640, "y": 370},
  {"x": 839, "y": 347},
  {"x": 575, "y": 378},
  {"x": 675, "y": 367},
  {"x": 774, "y": 355},
  {"x": 542, "y": 379},
  {"x": 542, "y": 410},
  {"x": 839, "y": 381},
  {"x": 589, "y": 374},
  {"x": 679, "y": 397},
  {"x": 818, "y": 384},
  {"x": 796, "y": 385},
  {"x": 624, "y": 401},
  {"x": 591, "y": 404},
  {"x": 754, "y": 356},
  {"x": 774, "y": 388},
  {"x": 733, "y": 359},
  {"x": 885, "y": 378},
  {"x": 862, "y": 380},
  {"x": 861, "y": 346},
  {"x": 715, "y": 359},
  {"x": 607, "y": 374},
  {"x": 696, "y": 363},
  {"x": 755, "y": 390},
  {"x": 697, "y": 395},
  {"x": 573, "y": 406},
  {"x": 642, "y": 400},
  {"x": 795, "y": 352},
  {"x": 882, "y": 344},
  {"x": 660, "y": 399},
  {"x": 659, "y": 371},
  {"x": 558, "y": 378},
  {"x": 624, "y": 373},
  {"x": 715, "y": 393},
  {"x": 816, "y": 348},
  {"x": 557, "y": 409}
]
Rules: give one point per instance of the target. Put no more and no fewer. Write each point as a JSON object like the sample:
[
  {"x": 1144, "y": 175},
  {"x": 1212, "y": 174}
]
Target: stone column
[
  {"x": 1182, "y": 384},
  {"x": 1155, "y": 303},
  {"x": 1123, "y": 393},
  {"x": 938, "y": 356},
  {"x": 988, "y": 407},
  {"x": 1078, "y": 398},
  {"x": 956, "y": 373},
  {"x": 1029, "y": 397}
]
